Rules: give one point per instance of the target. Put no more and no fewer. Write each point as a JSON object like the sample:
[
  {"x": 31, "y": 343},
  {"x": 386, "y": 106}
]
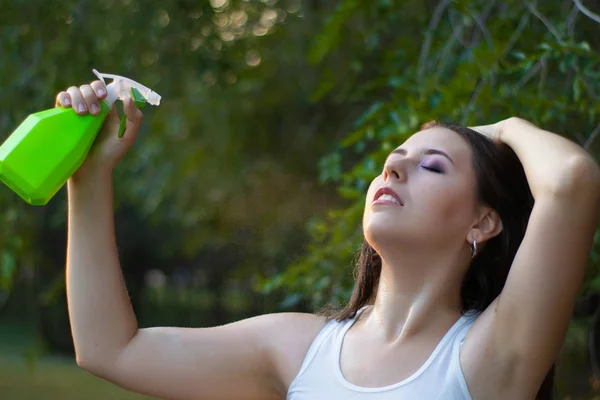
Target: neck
[{"x": 418, "y": 290}]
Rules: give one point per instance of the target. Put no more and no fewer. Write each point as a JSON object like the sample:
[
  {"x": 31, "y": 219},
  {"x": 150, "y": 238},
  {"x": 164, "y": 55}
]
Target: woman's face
[{"x": 432, "y": 177}]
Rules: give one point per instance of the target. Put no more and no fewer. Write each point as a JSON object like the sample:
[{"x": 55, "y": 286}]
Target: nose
[{"x": 395, "y": 170}]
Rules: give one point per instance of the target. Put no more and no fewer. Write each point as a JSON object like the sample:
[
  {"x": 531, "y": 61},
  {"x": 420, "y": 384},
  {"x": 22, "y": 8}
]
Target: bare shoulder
[{"x": 291, "y": 335}]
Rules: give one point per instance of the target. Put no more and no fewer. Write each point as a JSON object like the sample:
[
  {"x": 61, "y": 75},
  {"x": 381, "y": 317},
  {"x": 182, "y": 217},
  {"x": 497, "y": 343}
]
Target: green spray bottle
[{"x": 38, "y": 158}]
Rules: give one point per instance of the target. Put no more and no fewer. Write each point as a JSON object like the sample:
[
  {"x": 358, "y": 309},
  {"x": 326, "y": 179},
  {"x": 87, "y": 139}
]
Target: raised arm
[
  {"x": 250, "y": 359},
  {"x": 524, "y": 328}
]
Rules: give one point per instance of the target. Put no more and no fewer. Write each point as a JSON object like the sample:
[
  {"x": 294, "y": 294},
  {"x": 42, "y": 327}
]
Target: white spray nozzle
[{"x": 122, "y": 88}]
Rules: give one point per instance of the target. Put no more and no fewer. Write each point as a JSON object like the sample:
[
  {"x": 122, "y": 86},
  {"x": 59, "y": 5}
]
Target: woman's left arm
[
  {"x": 524, "y": 328},
  {"x": 553, "y": 165}
]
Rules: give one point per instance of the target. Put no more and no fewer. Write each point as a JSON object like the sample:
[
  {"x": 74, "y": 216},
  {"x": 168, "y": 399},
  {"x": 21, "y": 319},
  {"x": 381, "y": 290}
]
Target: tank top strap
[
  {"x": 316, "y": 344},
  {"x": 329, "y": 328},
  {"x": 455, "y": 366},
  {"x": 469, "y": 317}
]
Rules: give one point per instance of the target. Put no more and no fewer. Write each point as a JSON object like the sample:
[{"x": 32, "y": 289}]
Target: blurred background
[{"x": 244, "y": 191}]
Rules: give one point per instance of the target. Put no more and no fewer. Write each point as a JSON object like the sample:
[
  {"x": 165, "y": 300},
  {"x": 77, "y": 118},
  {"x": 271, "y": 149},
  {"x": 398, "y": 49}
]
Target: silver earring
[{"x": 473, "y": 248}]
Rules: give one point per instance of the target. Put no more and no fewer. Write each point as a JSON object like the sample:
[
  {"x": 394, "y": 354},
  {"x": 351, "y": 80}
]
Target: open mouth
[{"x": 386, "y": 195}]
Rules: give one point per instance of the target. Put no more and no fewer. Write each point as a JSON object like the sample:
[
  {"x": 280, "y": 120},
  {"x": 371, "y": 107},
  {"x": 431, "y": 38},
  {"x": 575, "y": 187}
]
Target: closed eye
[{"x": 433, "y": 168}]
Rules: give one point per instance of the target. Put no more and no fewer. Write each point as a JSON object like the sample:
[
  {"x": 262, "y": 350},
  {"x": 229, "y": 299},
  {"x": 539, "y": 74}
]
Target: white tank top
[{"x": 441, "y": 377}]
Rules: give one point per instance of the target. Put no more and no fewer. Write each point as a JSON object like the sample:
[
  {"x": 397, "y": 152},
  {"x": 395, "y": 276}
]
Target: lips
[{"x": 386, "y": 190}]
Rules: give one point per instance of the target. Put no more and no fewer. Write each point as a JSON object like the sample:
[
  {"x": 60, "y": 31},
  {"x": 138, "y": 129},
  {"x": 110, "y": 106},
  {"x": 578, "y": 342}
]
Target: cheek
[
  {"x": 367, "y": 212},
  {"x": 446, "y": 206},
  {"x": 375, "y": 183}
]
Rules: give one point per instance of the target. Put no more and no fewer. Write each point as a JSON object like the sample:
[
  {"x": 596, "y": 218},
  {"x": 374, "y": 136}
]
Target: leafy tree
[
  {"x": 473, "y": 62},
  {"x": 234, "y": 119},
  {"x": 255, "y": 91},
  {"x": 212, "y": 173}
]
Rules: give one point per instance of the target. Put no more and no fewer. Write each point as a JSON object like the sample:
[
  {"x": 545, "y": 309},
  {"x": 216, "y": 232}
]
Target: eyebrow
[{"x": 424, "y": 152}]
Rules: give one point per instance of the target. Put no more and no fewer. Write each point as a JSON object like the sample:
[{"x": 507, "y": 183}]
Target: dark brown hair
[{"x": 502, "y": 185}]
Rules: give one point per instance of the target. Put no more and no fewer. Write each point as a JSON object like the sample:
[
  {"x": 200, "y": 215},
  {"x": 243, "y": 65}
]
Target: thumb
[{"x": 133, "y": 119}]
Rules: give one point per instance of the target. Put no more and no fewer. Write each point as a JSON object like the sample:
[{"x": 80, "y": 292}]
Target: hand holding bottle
[
  {"x": 81, "y": 136},
  {"x": 108, "y": 148}
]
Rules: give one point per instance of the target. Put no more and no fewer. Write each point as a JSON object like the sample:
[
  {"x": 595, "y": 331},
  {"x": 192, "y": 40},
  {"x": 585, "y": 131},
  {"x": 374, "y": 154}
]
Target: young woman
[{"x": 464, "y": 290}]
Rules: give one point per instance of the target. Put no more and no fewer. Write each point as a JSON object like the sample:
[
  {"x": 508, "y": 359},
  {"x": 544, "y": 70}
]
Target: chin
[{"x": 378, "y": 229}]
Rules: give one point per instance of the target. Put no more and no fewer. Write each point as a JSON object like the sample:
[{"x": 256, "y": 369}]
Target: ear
[{"x": 486, "y": 227}]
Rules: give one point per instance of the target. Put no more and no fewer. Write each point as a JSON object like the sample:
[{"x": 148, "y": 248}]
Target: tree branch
[
  {"x": 580, "y": 138},
  {"x": 587, "y": 12},
  {"x": 544, "y": 20},
  {"x": 457, "y": 29},
  {"x": 515, "y": 36},
  {"x": 531, "y": 72},
  {"x": 592, "y": 137},
  {"x": 480, "y": 19},
  {"x": 589, "y": 88},
  {"x": 457, "y": 32},
  {"x": 435, "y": 20},
  {"x": 571, "y": 21},
  {"x": 474, "y": 96},
  {"x": 543, "y": 76},
  {"x": 569, "y": 80},
  {"x": 444, "y": 55},
  {"x": 484, "y": 30}
]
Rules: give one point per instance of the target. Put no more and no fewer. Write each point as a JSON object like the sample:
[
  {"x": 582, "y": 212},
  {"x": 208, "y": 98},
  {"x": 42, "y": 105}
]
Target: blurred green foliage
[
  {"x": 215, "y": 165},
  {"x": 480, "y": 62},
  {"x": 276, "y": 115},
  {"x": 211, "y": 189},
  {"x": 473, "y": 62}
]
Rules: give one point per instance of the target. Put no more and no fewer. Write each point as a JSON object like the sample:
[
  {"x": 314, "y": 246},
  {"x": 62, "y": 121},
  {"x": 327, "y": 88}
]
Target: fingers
[
  {"x": 99, "y": 88},
  {"x": 134, "y": 118},
  {"x": 86, "y": 99},
  {"x": 131, "y": 111},
  {"x": 90, "y": 98},
  {"x": 113, "y": 116},
  {"x": 63, "y": 100},
  {"x": 83, "y": 99},
  {"x": 77, "y": 101}
]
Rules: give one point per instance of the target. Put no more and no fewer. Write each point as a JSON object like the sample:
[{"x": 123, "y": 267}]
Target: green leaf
[
  {"x": 324, "y": 88},
  {"x": 331, "y": 35},
  {"x": 369, "y": 114},
  {"x": 576, "y": 88},
  {"x": 353, "y": 138},
  {"x": 349, "y": 193},
  {"x": 395, "y": 117},
  {"x": 329, "y": 167},
  {"x": 7, "y": 270},
  {"x": 585, "y": 46},
  {"x": 396, "y": 82}
]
